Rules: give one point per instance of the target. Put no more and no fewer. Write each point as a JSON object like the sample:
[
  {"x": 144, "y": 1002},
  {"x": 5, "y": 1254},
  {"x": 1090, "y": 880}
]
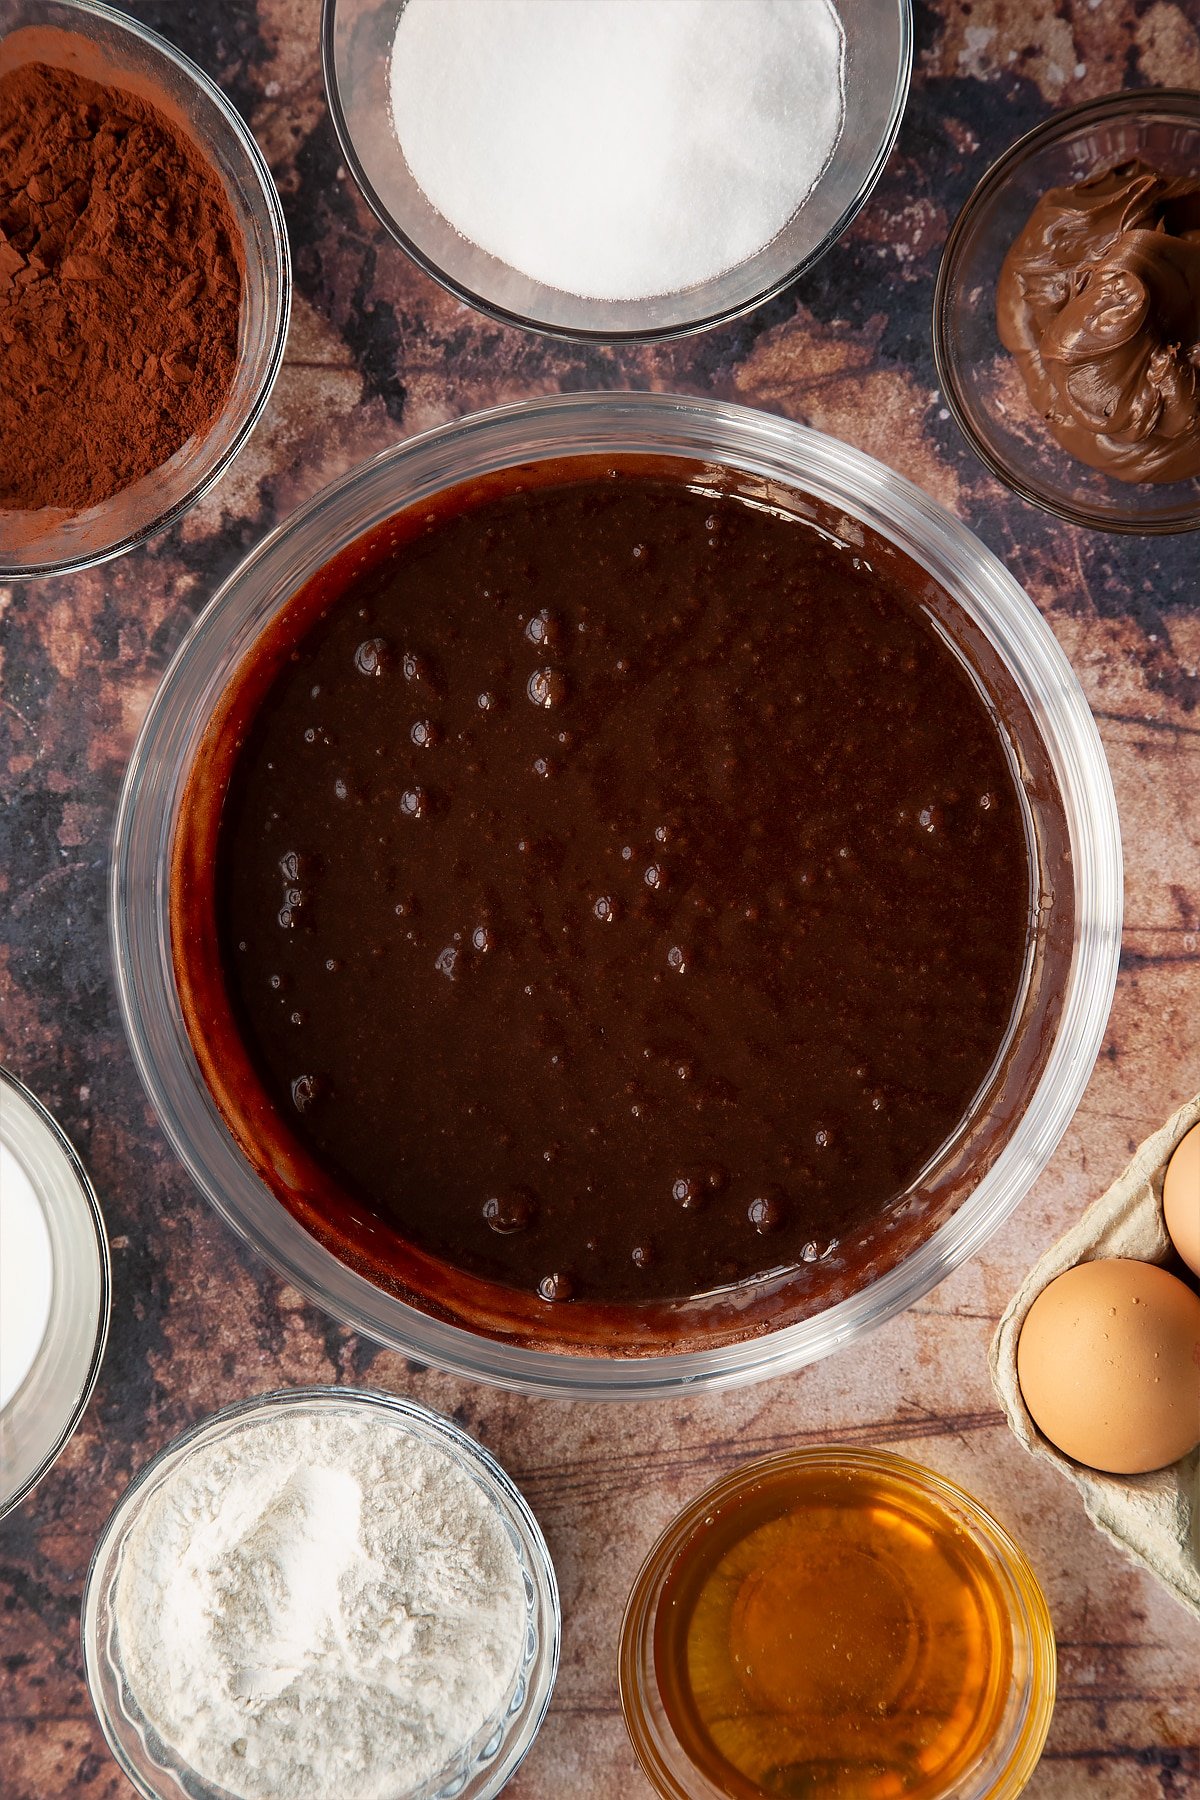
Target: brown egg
[
  {"x": 1109, "y": 1365},
  {"x": 1181, "y": 1198}
]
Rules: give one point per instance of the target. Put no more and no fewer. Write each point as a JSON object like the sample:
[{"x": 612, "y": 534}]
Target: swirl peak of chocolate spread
[{"x": 1099, "y": 301}]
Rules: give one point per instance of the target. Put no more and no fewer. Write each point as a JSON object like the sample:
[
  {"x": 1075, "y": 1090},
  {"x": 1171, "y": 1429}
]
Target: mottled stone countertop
[{"x": 377, "y": 351}]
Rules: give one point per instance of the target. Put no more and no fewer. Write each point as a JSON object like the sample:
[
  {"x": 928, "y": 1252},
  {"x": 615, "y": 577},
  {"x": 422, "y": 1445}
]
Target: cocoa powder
[{"x": 121, "y": 270}]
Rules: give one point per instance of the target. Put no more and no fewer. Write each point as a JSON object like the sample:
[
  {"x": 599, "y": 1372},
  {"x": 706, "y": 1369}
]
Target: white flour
[{"x": 319, "y": 1606}]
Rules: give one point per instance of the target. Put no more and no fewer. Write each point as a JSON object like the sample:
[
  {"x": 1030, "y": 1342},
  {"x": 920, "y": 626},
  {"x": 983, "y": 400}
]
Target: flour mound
[{"x": 319, "y": 1604}]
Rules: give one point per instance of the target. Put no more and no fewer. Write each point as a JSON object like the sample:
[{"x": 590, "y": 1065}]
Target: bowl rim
[
  {"x": 491, "y": 1476},
  {"x": 815, "y": 463},
  {"x": 1059, "y": 125},
  {"x": 1028, "y": 1612},
  {"x": 282, "y": 271},
  {"x": 587, "y": 334},
  {"x": 95, "y": 1217}
]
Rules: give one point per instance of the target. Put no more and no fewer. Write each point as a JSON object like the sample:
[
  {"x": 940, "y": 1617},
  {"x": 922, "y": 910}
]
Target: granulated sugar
[
  {"x": 321, "y": 1605},
  {"x": 618, "y": 149}
]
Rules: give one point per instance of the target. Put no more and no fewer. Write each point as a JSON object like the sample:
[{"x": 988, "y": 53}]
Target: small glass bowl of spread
[
  {"x": 357, "y": 38},
  {"x": 836, "y": 1620},
  {"x": 983, "y": 383},
  {"x": 90, "y": 40},
  {"x": 279, "y": 1552}
]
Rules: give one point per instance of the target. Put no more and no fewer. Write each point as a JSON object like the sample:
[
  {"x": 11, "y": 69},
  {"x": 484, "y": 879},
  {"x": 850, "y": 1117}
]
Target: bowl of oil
[{"x": 842, "y": 1622}]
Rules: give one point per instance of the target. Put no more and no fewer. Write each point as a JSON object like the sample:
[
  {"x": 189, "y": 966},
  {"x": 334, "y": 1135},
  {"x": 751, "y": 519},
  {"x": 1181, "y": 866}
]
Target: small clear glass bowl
[
  {"x": 46, "y": 1407},
  {"x": 485, "y": 1764},
  {"x": 104, "y": 45},
  {"x": 1012, "y": 1754},
  {"x": 1058, "y": 749},
  {"x": 356, "y": 38},
  {"x": 981, "y": 382}
]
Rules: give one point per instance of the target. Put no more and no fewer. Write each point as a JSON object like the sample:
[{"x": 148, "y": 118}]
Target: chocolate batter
[
  {"x": 622, "y": 890},
  {"x": 1099, "y": 301}
]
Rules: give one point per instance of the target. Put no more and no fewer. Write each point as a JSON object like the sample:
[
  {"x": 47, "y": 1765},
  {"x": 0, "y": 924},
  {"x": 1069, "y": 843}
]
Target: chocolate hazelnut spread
[
  {"x": 1099, "y": 301},
  {"x": 602, "y": 905}
]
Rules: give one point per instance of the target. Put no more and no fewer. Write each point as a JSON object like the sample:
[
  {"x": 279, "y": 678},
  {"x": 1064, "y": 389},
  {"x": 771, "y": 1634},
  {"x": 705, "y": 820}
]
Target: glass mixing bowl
[
  {"x": 1059, "y": 739},
  {"x": 356, "y": 40},
  {"x": 107, "y": 46}
]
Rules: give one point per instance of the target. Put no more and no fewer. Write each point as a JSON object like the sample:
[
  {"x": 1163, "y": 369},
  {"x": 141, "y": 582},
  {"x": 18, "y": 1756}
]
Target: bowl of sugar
[{"x": 616, "y": 169}]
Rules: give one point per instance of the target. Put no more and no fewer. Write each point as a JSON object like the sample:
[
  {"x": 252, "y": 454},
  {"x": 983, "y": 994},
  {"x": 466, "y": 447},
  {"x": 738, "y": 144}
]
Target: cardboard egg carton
[{"x": 1155, "y": 1518}]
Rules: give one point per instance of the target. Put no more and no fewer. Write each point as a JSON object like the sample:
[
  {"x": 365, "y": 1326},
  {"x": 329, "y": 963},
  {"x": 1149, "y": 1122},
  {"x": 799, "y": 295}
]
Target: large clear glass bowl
[
  {"x": 108, "y": 46},
  {"x": 356, "y": 39},
  {"x": 856, "y": 491}
]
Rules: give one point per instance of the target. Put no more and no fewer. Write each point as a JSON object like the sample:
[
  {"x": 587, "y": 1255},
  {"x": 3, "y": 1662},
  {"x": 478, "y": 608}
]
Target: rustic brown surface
[{"x": 378, "y": 351}]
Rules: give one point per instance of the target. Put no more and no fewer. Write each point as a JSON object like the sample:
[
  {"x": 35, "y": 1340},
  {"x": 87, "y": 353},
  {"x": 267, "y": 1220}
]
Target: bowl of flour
[
  {"x": 321, "y": 1591},
  {"x": 616, "y": 168}
]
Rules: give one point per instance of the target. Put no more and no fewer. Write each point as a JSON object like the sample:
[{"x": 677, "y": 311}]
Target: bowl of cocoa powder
[{"x": 144, "y": 285}]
